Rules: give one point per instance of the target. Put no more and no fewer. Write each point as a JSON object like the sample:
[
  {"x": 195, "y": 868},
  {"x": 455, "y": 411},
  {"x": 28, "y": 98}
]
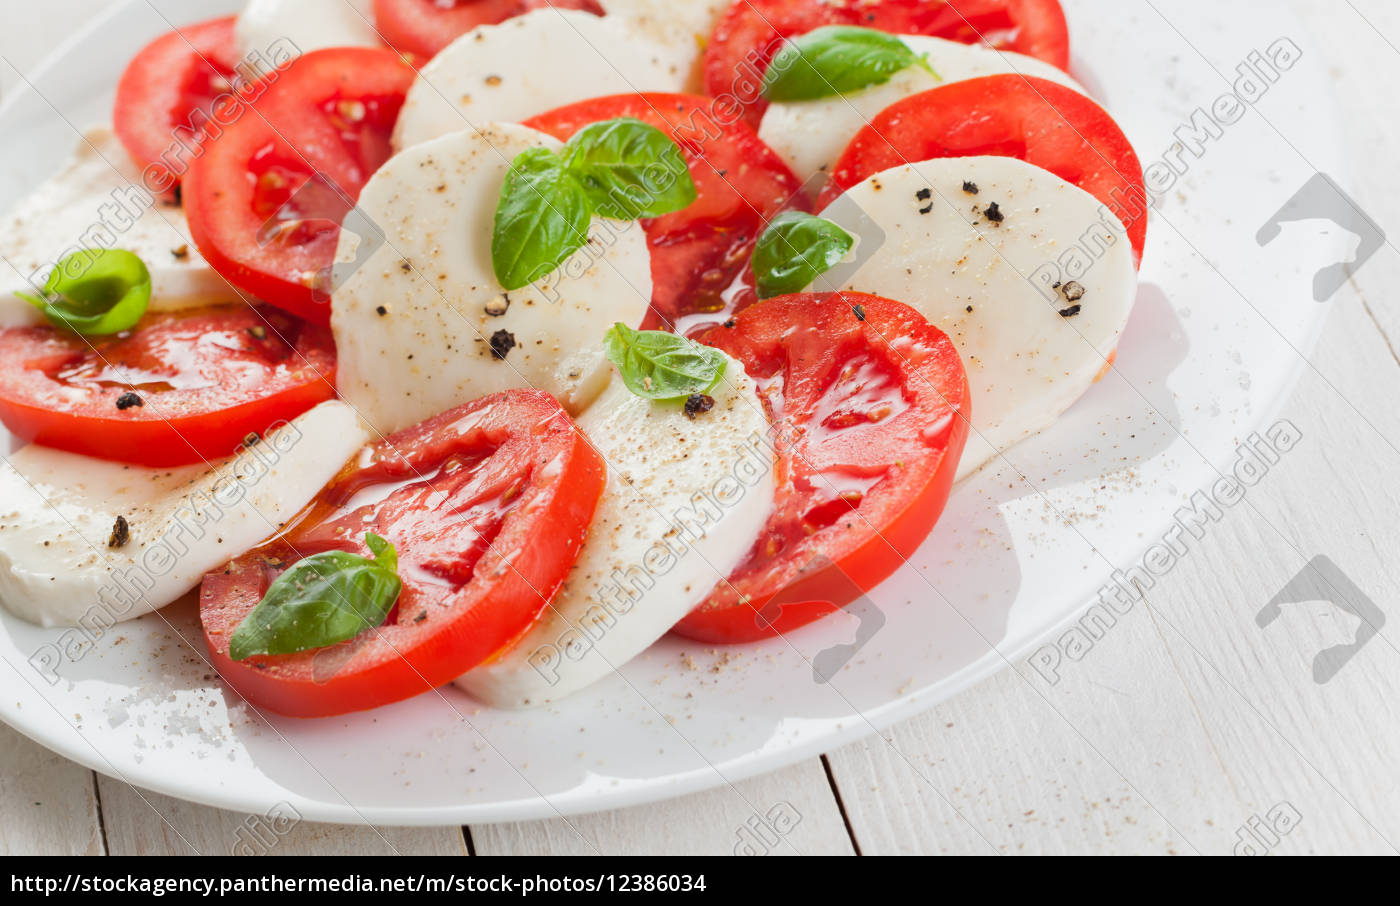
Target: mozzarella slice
[
  {"x": 685, "y": 27},
  {"x": 98, "y": 201},
  {"x": 414, "y": 323},
  {"x": 58, "y": 565},
  {"x": 528, "y": 65},
  {"x": 992, "y": 287},
  {"x": 810, "y": 135},
  {"x": 685, "y": 501},
  {"x": 301, "y": 26}
]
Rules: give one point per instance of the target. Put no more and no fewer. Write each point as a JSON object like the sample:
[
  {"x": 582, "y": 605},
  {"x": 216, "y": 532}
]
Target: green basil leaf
[
  {"x": 630, "y": 169},
  {"x": 324, "y": 599},
  {"x": 95, "y": 292},
  {"x": 837, "y": 59},
  {"x": 796, "y": 249},
  {"x": 542, "y": 218},
  {"x": 662, "y": 366}
]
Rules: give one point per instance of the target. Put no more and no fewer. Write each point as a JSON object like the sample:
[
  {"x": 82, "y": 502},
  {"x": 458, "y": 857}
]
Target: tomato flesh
[
  {"x": 752, "y": 31},
  {"x": 424, "y": 27},
  {"x": 206, "y": 379},
  {"x": 872, "y": 410},
  {"x": 699, "y": 256},
  {"x": 267, "y": 198},
  {"x": 487, "y": 506},
  {"x": 167, "y": 95},
  {"x": 1034, "y": 120}
]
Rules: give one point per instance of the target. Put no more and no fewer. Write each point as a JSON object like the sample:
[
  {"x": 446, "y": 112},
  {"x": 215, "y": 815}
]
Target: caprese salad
[{"x": 487, "y": 342}]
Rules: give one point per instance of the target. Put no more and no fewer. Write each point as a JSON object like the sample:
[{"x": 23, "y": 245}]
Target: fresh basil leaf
[
  {"x": 837, "y": 59},
  {"x": 541, "y": 219},
  {"x": 630, "y": 169},
  {"x": 324, "y": 599},
  {"x": 622, "y": 169},
  {"x": 796, "y": 249},
  {"x": 658, "y": 365},
  {"x": 95, "y": 292}
]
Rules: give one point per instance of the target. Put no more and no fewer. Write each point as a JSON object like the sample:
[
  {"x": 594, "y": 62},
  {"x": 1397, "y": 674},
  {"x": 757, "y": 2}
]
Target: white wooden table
[{"x": 1185, "y": 729}]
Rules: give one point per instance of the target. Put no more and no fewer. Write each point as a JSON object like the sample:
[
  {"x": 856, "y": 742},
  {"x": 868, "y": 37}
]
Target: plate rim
[{"x": 838, "y": 732}]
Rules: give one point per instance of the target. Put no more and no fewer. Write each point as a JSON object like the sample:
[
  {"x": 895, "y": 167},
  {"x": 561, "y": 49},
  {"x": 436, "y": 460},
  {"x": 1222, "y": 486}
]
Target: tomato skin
[
  {"x": 1040, "y": 122},
  {"x": 175, "y": 81},
  {"x": 212, "y": 384},
  {"x": 424, "y": 27},
  {"x": 477, "y": 570},
  {"x": 312, "y": 140},
  {"x": 751, "y": 32},
  {"x": 816, "y": 555},
  {"x": 699, "y": 256}
]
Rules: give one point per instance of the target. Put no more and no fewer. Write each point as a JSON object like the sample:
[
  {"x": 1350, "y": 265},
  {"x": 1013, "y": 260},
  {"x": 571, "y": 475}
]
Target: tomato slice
[
  {"x": 266, "y": 199},
  {"x": 699, "y": 256},
  {"x": 1040, "y": 122},
  {"x": 487, "y": 505},
  {"x": 752, "y": 31},
  {"x": 167, "y": 95},
  {"x": 872, "y": 411},
  {"x": 424, "y": 27},
  {"x": 205, "y": 379}
]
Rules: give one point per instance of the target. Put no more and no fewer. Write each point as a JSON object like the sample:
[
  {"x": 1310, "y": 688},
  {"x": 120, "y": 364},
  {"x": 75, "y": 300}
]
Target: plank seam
[
  {"x": 840, "y": 805},
  {"x": 101, "y": 818}
]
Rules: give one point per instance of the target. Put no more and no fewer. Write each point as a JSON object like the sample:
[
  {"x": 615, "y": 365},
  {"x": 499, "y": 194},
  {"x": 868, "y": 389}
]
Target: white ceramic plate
[{"x": 1011, "y": 562}]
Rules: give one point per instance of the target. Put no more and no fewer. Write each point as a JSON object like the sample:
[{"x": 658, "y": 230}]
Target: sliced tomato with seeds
[
  {"x": 1034, "y": 120},
  {"x": 424, "y": 27},
  {"x": 487, "y": 505},
  {"x": 267, "y": 198},
  {"x": 182, "y": 388},
  {"x": 752, "y": 31},
  {"x": 700, "y": 255},
  {"x": 871, "y": 409},
  {"x": 167, "y": 96}
]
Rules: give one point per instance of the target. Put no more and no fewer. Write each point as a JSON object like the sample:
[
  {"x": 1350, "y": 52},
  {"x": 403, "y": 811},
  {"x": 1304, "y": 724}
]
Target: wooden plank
[
  {"x": 790, "y": 812},
  {"x": 148, "y": 824},
  {"x": 1212, "y": 720},
  {"x": 48, "y": 803},
  {"x": 1187, "y": 720},
  {"x": 1185, "y": 723},
  {"x": 1015, "y": 766}
]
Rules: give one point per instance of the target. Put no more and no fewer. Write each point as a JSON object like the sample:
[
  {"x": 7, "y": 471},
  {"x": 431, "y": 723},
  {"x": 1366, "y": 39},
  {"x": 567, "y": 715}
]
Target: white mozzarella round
[
  {"x": 685, "y": 27},
  {"x": 58, "y": 511},
  {"x": 992, "y": 287},
  {"x": 684, "y": 503},
  {"x": 810, "y": 135},
  {"x": 414, "y": 323},
  {"x": 301, "y": 26},
  {"x": 98, "y": 201},
  {"x": 528, "y": 65}
]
